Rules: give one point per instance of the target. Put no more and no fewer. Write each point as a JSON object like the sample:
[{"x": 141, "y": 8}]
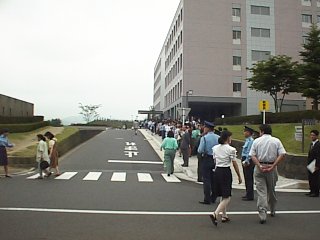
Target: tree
[
  {"x": 310, "y": 68},
  {"x": 276, "y": 76},
  {"x": 89, "y": 112}
]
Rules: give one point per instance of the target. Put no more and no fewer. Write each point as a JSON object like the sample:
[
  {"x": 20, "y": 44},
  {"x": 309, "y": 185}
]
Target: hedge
[
  {"x": 28, "y": 127},
  {"x": 18, "y": 120},
  {"x": 283, "y": 117}
]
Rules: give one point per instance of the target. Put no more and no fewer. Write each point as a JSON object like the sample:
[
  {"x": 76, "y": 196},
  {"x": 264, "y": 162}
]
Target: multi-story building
[
  {"x": 12, "y": 107},
  {"x": 210, "y": 46}
]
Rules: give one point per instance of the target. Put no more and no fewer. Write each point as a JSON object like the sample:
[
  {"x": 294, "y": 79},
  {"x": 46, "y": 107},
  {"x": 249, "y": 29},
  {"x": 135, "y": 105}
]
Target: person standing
[
  {"x": 199, "y": 156},
  {"x": 185, "y": 145},
  {"x": 170, "y": 147},
  {"x": 42, "y": 155},
  {"x": 266, "y": 152},
  {"x": 314, "y": 154},
  {"x": 224, "y": 154},
  {"x": 4, "y": 144},
  {"x": 207, "y": 142},
  {"x": 53, "y": 152},
  {"x": 135, "y": 126},
  {"x": 247, "y": 164}
]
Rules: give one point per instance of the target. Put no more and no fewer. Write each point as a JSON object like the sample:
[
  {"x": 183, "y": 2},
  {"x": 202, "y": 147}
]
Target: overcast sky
[{"x": 58, "y": 53}]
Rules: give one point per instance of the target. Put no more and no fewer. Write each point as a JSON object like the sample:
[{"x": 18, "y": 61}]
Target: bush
[
  {"x": 28, "y": 127},
  {"x": 16, "y": 120},
  {"x": 283, "y": 117}
]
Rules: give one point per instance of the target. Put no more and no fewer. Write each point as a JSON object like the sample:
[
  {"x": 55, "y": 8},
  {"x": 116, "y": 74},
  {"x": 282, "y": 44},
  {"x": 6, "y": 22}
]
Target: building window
[
  {"x": 306, "y": 3},
  {"x": 260, "y": 32},
  {"x": 306, "y": 20},
  {"x": 260, "y": 55},
  {"x": 318, "y": 18},
  {"x": 304, "y": 39},
  {"x": 236, "y": 36},
  {"x": 236, "y": 14},
  {"x": 260, "y": 10},
  {"x": 236, "y": 63},
  {"x": 236, "y": 87}
]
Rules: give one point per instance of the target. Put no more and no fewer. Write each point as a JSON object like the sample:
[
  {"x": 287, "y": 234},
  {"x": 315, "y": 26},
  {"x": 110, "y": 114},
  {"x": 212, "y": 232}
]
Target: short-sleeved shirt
[
  {"x": 169, "y": 143},
  {"x": 207, "y": 142},
  {"x": 224, "y": 154},
  {"x": 267, "y": 148}
]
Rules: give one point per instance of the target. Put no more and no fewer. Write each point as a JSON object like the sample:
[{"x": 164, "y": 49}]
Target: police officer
[
  {"x": 247, "y": 164},
  {"x": 207, "y": 142}
]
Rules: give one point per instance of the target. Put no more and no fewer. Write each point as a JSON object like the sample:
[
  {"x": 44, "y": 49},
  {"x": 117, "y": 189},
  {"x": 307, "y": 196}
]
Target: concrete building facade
[
  {"x": 12, "y": 107},
  {"x": 210, "y": 45}
]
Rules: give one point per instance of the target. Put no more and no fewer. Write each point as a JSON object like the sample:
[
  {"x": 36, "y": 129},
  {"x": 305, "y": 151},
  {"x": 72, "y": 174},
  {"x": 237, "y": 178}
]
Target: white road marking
[
  {"x": 119, "y": 138},
  {"x": 34, "y": 176},
  {"x": 145, "y": 212},
  {"x": 144, "y": 177},
  {"x": 119, "y": 177},
  {"x": 66, "y": 176},
  {"x": 171, "y": 179},
  {"x": 92, "y": 176},
  {"x": 130, "y": 154},
  {"x": 134, "y": 162},
  {"x": 130, "y": 143}
]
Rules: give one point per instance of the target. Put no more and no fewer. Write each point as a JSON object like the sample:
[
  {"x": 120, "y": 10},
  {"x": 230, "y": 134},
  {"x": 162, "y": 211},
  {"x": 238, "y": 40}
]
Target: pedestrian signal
[{"x": 264, "y": 105}]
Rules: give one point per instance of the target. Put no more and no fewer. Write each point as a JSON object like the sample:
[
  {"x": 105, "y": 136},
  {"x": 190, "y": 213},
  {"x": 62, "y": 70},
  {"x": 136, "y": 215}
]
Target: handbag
[{"x": 44, "y": 165}]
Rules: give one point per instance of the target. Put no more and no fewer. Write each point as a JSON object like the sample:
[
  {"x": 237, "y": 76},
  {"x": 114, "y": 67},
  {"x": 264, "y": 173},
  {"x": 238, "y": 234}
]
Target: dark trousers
[
  {"x": 248, "y": 178},
  {"x": 208, "y": 179},
  {"x": 199, "y": 170},
  {"x": 314, "y": 182},
  {"x": 185, "y": 156}
]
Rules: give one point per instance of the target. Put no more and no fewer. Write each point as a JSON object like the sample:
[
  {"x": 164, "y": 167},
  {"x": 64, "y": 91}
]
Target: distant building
[
  {"x": 12, "y": 107},
  {"x": 211, "y": 44}
]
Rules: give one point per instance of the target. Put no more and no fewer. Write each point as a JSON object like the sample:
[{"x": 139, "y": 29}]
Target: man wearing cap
[
  {"x": 266, "y": 152},
  {"x": 247, "y": 164},
  {"x": 207, "y": 142}
]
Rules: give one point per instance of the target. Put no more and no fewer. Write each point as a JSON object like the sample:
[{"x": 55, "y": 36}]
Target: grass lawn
[
  {"x": 285, "y": 132},
  {"x": 31, "y": 150}
]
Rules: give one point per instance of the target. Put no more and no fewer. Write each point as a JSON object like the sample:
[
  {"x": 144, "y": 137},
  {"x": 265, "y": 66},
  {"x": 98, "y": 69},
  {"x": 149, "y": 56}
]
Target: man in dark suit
[
  {"x": 314, "y": 154},
  {"x": 185, "y": 145}
]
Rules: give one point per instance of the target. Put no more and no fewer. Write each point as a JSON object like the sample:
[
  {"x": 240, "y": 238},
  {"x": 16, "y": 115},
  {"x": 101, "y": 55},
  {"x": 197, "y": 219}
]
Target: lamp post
[{"x": 189, "y": 92}]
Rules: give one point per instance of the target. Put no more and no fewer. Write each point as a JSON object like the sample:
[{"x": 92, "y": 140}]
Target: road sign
[
  {"x": 264, "y": 105},
  {"x": 183, "y": 112}
]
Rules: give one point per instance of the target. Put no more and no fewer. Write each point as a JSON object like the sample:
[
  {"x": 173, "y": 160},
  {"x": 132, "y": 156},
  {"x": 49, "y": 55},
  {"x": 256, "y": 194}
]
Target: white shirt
[
  {"x": 42, "y": 151},
  {"x": 224, "y": 154},
  {"x": 267, "y": 148}
]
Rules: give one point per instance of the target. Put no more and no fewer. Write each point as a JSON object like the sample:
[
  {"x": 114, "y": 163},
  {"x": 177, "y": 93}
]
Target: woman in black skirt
[
  {"x": 4, "y": 143},
  {"x": 224, "y": 154}
]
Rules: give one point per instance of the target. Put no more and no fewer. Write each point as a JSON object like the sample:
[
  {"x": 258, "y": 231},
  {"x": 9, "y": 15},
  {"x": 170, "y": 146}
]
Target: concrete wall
[{"x": 12, "y": 107}]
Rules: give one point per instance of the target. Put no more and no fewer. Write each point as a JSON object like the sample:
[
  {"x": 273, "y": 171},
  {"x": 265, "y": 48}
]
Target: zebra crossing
[{"x": 116, "y": 177}]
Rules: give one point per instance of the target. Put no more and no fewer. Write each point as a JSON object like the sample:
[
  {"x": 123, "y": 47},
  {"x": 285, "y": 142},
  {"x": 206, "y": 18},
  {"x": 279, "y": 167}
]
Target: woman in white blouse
[{"x": 224, "y": 154}]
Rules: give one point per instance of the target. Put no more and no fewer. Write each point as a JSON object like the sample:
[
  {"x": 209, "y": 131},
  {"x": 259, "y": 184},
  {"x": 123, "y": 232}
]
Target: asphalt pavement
[{"x": 112, "y": 187}]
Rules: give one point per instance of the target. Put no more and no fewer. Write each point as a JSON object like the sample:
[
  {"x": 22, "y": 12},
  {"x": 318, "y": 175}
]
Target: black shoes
[
  {"x": 204, "y": 202},
  {"x": 314, "y": 195},
  {"x": 214, "y": 220},
  {"x": 185, "y": 165},
  {"x": 263, "y": 221}
]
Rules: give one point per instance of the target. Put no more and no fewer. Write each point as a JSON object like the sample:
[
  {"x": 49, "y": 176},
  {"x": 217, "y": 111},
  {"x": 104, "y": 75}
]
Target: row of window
[
  {"x": 174, "y": 31},
  {"x": 174, "y": 50},
  {"x": 307, "y": 18},
  {"x": 174, "y": 71},
  {"x": 157, "y": 69},
  {"x": 255, "y": 32},
  {"x": 308, "y": 3},
  {"x": 174, "y": 94},
  {"x": 157, "y": 94},
  {"x": 256, "y": 56},
  {"x": 257, "y": 10},
  {"x": 157, "y": 80}
]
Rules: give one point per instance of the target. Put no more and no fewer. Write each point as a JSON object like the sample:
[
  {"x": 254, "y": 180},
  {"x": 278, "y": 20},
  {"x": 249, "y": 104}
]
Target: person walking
[
  {"x": 266, "y": 152},
  {"x": 185, "y": 145},
  {"x": 207, "y": 142},
  {"x": 53, "y": 153},
  {"x": 247, "y": 164},
  {"x": 314, "y": 155},
  {"x": 135, "y": 126},
  {"x": 42, "y": 156},
  {"x": 224, "y": 154},
  {"x": 4, "y": 144},
  {"x": 199, "y": 157},
  {"x": 170, "y": 147}
]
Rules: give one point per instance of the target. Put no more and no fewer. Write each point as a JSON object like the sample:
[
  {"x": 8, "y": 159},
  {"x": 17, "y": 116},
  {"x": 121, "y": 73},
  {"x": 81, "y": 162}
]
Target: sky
[{"x": 59, "y": 53}]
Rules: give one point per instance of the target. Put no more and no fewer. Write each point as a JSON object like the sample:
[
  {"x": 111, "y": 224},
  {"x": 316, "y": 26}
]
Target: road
[{"x": 113, "y": 188}]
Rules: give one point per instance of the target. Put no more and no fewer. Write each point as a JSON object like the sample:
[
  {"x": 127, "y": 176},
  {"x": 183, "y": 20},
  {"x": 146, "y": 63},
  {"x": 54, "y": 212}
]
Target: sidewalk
[{"x": 190, "y": 173}]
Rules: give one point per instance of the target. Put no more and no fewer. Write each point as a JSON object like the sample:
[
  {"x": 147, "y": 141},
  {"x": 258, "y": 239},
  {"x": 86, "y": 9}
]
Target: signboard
[
  {"x": 264, "y": 105},
  {"x": 298, "y": 133}
]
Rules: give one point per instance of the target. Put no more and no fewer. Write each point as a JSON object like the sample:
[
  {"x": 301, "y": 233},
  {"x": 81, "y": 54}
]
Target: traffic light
[{"x": 264, "y": 105}]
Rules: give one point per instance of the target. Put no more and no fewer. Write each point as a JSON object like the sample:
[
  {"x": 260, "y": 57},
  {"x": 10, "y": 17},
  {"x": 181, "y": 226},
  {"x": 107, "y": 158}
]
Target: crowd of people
[{"x": 260, "y": 155}]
